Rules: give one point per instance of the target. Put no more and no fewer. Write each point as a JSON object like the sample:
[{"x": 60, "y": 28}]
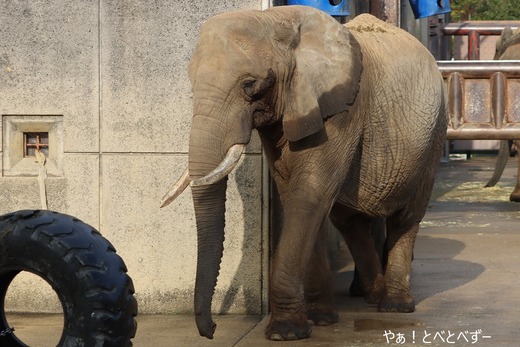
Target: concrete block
[
  {"x": 81, "y": 188},
  {"x": 76, "y": 193},
  {"x": 146, "y": 93},
  {"x": 49, "y": 63}
]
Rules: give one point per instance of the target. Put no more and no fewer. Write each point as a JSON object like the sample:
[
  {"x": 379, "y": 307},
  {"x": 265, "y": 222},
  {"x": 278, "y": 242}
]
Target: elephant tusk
[
  {"x": 177, "y": 189},
  {"x": 223, "y": 169}
]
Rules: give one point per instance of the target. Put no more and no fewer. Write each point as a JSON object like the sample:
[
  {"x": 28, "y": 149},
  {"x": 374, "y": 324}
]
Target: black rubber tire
[{"x": 82, "y": 267}]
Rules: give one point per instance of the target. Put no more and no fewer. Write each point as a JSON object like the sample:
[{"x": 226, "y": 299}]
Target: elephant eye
[
  {"x": 249, "y": 87},
  {"x": 256, "y": 88}
]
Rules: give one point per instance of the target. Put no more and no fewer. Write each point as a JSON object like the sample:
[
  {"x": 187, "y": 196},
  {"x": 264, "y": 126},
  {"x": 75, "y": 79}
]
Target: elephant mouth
[{"x": 225, "y": 167}]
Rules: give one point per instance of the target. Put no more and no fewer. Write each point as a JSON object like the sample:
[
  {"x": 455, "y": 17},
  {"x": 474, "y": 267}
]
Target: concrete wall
[{"x": 111, "y": 76}]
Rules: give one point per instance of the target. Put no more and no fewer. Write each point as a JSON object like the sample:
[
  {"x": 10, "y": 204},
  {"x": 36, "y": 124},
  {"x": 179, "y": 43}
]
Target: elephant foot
[
  {"x": 287, "y": 330},
  {"x": 515, "y": 196},
  {"x": 322, "y": 315},
  {"x": 402, "y": 304}
]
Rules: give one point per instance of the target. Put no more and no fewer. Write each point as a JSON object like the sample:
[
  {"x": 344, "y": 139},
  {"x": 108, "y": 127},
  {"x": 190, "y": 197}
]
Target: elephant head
[{"x": 286, "y": 67}]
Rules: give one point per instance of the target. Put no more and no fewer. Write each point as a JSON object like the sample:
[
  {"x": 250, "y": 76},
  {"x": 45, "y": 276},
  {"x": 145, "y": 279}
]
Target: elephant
[
  {"x": 508, "y": 48},
  {"x": 352, "y": 120}
]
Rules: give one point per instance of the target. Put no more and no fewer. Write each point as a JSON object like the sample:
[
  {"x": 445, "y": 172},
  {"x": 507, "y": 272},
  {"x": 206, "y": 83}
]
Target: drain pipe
[{"x": 42, "y": 177}]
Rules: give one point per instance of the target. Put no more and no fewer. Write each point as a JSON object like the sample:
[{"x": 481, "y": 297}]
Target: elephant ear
[{"x": 326, "y": 74}]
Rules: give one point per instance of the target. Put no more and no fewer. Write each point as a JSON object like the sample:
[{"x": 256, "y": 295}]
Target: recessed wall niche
[{"x": 18, "y": 130}]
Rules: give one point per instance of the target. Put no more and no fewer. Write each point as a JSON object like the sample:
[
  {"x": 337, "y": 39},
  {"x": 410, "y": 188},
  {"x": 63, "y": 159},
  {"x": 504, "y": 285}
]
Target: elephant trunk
[
  {"x": 212, "y": 156},
  {"x": 209, "y": 199},
  {"x": 209, "y": 203}
]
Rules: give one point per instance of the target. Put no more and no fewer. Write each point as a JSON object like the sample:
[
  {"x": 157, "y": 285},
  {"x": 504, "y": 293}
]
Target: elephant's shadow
[
  {"x": 242, "y": 279},
  {"x": 433, "y": 263}
]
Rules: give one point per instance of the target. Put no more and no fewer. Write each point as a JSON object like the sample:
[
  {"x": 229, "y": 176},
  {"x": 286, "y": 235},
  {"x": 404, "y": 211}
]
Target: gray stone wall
[{"x": 109, "y": 77}]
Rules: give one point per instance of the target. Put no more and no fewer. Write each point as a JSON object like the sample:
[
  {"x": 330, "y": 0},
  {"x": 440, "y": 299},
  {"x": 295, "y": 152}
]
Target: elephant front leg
[
  {"x": 302, "y": 221},
  {"x": 319, "y": 288},
  {"x": 288, "y": 311}
]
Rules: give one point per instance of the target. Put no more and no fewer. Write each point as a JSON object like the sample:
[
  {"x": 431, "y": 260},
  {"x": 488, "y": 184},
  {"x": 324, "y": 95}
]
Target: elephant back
[
  {"x": 401, "y": 83},
  {"x": 383, "y": 43},
  {"x": 403, "y": 103}
]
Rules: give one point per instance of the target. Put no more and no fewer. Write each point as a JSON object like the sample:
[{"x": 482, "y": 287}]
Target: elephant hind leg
[
  {"x": 318, "y": 284},
  {"x": 356, "y": 232},
  {"x": 399, "y": 252},
  {"x": 378, "y": 234}
]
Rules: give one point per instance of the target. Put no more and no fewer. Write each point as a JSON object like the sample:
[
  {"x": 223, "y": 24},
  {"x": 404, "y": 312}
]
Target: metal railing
[
  {"x": 483, "y": 99},
  {"x": 483, "y": 96}
]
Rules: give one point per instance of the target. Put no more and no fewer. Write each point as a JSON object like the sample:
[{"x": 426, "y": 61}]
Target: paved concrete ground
[{"x": 466, "y": 282}]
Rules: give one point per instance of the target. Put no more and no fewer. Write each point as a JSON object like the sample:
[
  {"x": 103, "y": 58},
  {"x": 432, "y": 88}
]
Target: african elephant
[
  {"x": 508, "y": 48},
  {"x": 352, "y": 120}
]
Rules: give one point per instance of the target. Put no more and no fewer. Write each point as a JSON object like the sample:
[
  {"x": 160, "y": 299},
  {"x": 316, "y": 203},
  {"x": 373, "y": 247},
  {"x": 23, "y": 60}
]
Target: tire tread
[{"x": 84, "y": 269}]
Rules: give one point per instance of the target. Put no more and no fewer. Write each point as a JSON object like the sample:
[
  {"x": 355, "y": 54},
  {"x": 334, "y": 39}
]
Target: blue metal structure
[
  {"x": 334, "y": 8},
  {"x": 427, "y": 8}
]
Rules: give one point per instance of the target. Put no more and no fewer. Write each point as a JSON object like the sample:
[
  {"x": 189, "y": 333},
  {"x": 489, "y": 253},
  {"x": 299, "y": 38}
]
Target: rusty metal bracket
[{"x": 483, "y": 99}]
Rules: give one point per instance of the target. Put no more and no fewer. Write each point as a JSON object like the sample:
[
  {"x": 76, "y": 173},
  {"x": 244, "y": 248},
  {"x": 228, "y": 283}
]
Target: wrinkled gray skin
[
  {"x": 352, "y": 120},
  {"x": 508, "y": 48}
]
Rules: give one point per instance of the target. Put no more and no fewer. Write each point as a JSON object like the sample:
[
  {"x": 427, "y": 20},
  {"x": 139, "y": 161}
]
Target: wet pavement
[{"x": 465, "y": 279}]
